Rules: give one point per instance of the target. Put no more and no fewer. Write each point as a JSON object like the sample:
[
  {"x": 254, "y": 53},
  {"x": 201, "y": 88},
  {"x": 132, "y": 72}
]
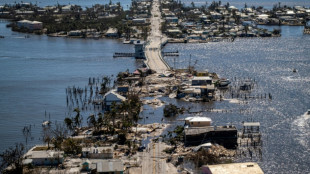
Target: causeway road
[{"x": 154, "y": 59}]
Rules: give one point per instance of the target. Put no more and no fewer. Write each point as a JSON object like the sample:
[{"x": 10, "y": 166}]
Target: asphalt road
[
  {"x": 153, "y": 47},
  {"x": 154, "y": 160}
]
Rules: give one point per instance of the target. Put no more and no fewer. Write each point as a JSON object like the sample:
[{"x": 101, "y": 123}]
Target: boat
[
  {"x": 131, "y": 41},
  {"x": 46, "y": 123},
  {"x": 294, "y": 70},
  {"x": 308, "y": 112},
  {"x": 1, "y": 36},
  {"x": 223, "y": 83}
]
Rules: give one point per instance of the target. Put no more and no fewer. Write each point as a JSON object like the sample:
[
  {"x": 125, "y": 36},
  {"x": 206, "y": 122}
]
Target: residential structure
[
  {"x": 97, "y": 152},
  {"x": 200, "y": 81},
  {"x": 112, "y": 32},
  {"x": 198, "y": 121},
  {"x": 110, "y": 97},
  {"x": 31, "y": 25},
  {"x": 38, "y": 157},
  {"x": 110, "y": 166}
]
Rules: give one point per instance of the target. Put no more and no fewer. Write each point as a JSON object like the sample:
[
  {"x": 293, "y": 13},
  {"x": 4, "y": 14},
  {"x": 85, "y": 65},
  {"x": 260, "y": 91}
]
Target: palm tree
[
  {"x": 123, "y": 108},
  {"x": 92, "y": 121},
  {"x": 77, "y": 119},
  {"x": 134, "y": 107},
  {"x": 112, "y": 113},
  {"x": 69, "y": 123},
  {"x": 100, "y": 120},
  {"x": 105, "y": 85}
]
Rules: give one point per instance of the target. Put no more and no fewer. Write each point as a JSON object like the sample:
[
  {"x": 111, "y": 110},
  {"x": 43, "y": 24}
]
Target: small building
[
  {"x": 192, "y": 92},
  {"x": 97, "y": 152},
  {"x": 198, "y": 121},
  {"x": 123, "y": 90},
  {"x": 110, "y": 166},
  {"x": 172, "y": 19},
  {"x": 111, "y": 97},
  {"x": 112, "y": 32},
  {"x": 201, "y": 81},
  {"x": 31, "y": 25},
  {"x": 233, "y": 168},
  {"x": 75, "y": 33},
  {"x": 43, "y": 157},
  {"x": 139, "y": 49},
  {"x": 207, "y": 90},
  {"x": 139, "y": 21},
  {"x": 174, "y": 31},
  {"x": 251, "y": 127},
  {"x": 66, "y": 8},
  {"x": 202, "y": 73}
]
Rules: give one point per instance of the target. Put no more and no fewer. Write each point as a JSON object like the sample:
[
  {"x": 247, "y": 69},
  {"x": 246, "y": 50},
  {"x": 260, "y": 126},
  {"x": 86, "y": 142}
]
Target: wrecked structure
[{"x": 198, "y": 130}]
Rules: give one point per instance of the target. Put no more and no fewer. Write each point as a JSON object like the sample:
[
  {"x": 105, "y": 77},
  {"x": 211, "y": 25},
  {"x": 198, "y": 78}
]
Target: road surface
[
  {"x": 153, "y": 47},
  {"x": 154, "y": 160}
]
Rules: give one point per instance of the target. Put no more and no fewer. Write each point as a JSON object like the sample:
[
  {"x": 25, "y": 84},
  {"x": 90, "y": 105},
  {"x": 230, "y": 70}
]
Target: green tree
[
  {"x": 59, "y": 133},
  {"x": 70, "y": 146}
]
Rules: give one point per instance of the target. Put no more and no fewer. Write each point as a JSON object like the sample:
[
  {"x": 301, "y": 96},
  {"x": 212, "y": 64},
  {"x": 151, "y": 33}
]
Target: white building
[
  {"x": 75, "y": 33},
  {"x": 139, "y": 21},
  {"x": 43, "y": 157},
  {"x": 31, "y": 25},
  {"x": 110, "y": 166},
  {"x": 98, "y": 152},
  {"x": 112, "y": 32},
  {"x": 198, "y": 121}
]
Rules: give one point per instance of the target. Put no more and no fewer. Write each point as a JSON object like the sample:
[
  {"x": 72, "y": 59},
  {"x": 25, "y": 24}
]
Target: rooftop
[
  {"x": 200, "y": 119},
  {"x": 251, "y": 124},
  {"x": 110, "y": 166},
  {"x": 202, "y": 78},
  {"x": 234, "y": 168}
]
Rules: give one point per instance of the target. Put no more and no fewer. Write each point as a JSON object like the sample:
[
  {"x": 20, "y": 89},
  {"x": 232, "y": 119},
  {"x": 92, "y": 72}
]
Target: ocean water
[
  {"x": 284, "y": 123},
  {"x": 35, "y": 72},
  {"x": 83, "y": 3}
]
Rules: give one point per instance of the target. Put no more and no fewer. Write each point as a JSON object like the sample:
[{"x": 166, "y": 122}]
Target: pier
[
  {"x": 123, "y": 55},
  {"x": 171, "y": 53}
]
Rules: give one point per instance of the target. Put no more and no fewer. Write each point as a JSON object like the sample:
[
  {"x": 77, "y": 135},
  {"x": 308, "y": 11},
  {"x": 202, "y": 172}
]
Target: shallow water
[{"x": 270, "y": 62}]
